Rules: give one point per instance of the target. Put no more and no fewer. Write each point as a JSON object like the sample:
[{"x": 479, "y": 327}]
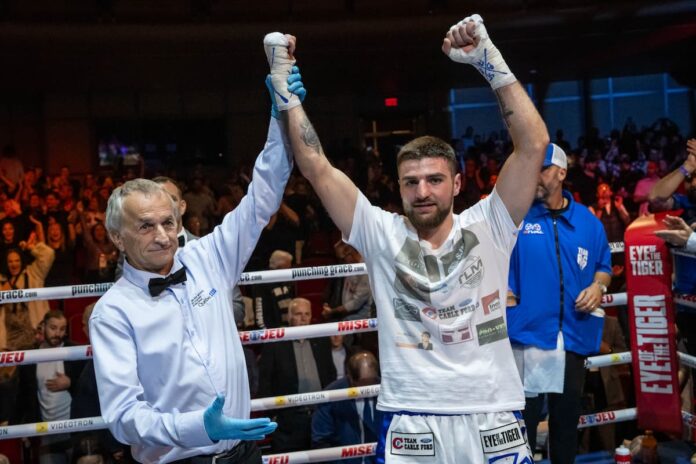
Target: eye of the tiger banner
[{"x": 651, "y": 317}]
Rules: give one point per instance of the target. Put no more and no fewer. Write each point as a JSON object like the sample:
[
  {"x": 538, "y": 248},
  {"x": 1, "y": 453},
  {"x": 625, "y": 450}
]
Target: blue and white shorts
[{"x": 490, "y": 438}]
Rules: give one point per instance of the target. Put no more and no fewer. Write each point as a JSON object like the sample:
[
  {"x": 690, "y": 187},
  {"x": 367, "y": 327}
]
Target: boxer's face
[
  {"x": 427, "y": 190},
  {"x": 148, "y": 232}
]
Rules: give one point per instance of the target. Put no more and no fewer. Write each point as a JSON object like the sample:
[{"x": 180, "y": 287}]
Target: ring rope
[
  {"x": 614, "y": 359},
  {"x": 97, "y": 423},
  {"x": 246, "y": 278},
  {"x": 75, "y": 353}
]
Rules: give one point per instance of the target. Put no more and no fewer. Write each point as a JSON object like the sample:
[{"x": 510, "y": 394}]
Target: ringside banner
[{"x": 651, "y": 318}]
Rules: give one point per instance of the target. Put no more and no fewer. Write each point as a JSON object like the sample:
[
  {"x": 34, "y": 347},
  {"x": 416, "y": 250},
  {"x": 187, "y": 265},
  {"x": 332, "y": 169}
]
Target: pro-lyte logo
[
  {"x": 412, "y": 444},
  {"x": 533, "y": 228}
]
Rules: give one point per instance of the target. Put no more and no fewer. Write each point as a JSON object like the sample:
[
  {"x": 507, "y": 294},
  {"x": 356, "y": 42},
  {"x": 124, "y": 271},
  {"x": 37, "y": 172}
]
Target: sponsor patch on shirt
[
  {"x": 472, "y": 274},
  {"x": 202, "y": 298},
  {"x": 412, "y": 444},
  {"x": 502, "y": 438},
  {"x": 468, "y": 305},
  {"x": 405, "y": 311},
  {"x": 582, "y": 257},
  {"x": 533, "y": 228},
  {"x": 459, "y": 334},
  {"x": 491, "y": 331},
  {"x": 491, "y": 303}
]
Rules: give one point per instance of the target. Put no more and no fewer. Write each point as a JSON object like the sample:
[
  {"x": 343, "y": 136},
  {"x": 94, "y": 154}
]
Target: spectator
[
  {"x": 102, "y": 254},
  {"x": 46, "y": 390},
  {"x": 610, "y": 211},
  {"x": 557, "y": 233},
  {"x": 350, "y": 422},
  {"x": 54, "y": 208},
  {"x": 63, "y": 270},
  {"x": 21, "y": 318},
  {"x": 11, "y": 168},
  {"x": 349, "y": 297},
  {"x": 298, "y": 366},
  {"x": 341, "y": 352},
  {"x": 472, "y": 185},
  {"x": 643, "y": 188},
  {"x": 200, "y": 202},
  {"x": 587, "y": 181},
  {"x": 664, "y": 190},
  {"x": 272, "y": 300}
]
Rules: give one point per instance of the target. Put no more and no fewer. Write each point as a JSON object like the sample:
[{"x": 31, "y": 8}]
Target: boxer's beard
[{"x": 430, "y": 221}]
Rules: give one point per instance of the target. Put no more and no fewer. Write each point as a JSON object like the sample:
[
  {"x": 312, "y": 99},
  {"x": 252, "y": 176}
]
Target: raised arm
[
  {"x": 337, "y": 192},
  {"x": 665, "y": 187},
  {"x": 468, "y": 42}
]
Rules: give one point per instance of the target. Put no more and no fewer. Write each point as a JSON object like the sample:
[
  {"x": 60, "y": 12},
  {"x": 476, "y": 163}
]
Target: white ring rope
[
  {"x": 319, "y": 397},
  {"x": 322, "y": 455},
  {"x": 76, "y": 353},
  {"x": 97, "y": 423},
  {"x": 247, "y": 278},
  {"x": 614, "y": 359}
]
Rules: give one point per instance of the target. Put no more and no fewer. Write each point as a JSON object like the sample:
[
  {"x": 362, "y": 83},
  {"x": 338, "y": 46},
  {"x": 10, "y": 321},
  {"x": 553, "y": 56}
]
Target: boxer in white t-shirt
[{"x": 434, "y": 271}]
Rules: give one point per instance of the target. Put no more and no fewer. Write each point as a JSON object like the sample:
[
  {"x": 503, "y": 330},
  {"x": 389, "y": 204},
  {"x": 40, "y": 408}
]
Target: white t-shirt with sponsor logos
[{"x": 454, "y": 297}]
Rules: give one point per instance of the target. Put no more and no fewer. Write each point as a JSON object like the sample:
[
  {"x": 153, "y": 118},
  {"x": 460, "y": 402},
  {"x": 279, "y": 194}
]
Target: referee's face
[{"x": 148, "y": 232}]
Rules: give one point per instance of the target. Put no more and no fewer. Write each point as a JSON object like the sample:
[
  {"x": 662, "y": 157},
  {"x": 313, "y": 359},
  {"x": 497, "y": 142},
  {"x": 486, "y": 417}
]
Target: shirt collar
[
  {"x": 141, "y": 279},
  {"x": 538, "y": 208}
]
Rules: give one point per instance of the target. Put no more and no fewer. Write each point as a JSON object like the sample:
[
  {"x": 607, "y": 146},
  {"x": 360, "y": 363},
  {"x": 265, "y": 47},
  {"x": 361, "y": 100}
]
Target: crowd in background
[{"x": 52, "y": 231}]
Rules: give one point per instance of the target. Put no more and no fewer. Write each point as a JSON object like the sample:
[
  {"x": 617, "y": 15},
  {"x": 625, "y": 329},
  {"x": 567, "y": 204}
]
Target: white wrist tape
[
  {"x": 485, "y": 57},
  {"x": 276, "y": 46}
]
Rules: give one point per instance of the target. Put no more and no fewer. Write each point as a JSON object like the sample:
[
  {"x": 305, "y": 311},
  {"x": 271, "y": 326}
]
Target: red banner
[{"x": 651, "y": 317}]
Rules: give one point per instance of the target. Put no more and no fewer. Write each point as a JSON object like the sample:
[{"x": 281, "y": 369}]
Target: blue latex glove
[
  {"x": 220, "y": 427},
  {"x": 295, "y": 86}
]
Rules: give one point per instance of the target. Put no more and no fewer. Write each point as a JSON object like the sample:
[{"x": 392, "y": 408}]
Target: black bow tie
[
  {"x": 158, "y": 284},
  {"x": 182, "y": 240}
]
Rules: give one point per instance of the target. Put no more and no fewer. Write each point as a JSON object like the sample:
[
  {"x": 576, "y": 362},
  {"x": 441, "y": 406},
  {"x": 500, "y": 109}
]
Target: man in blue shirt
[
  {"x": 165, "y": 340},
  {"x": 559, "y": 270}
]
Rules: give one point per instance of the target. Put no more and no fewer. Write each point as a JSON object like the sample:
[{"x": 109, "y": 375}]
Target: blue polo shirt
[{"x": 535, "y": 278}]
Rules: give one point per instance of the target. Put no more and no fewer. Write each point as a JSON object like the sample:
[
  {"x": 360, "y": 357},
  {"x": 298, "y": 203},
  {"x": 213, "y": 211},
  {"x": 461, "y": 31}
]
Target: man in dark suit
[
  {"x": 46, "y": 389},
  {"x": 350, "y": 422},
  {"x": 298, "y": 366}
]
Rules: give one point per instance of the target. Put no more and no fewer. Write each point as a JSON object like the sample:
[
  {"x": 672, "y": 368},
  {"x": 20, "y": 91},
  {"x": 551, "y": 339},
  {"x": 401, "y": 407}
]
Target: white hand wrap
[
  {"x": 485, "y": 57},
  {"x": 276, "y": 46}
]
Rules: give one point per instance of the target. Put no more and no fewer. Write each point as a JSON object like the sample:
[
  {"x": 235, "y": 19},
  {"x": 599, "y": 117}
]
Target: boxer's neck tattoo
[
  {"x": 504, "y": 110},
  {"x": 309, "y": 136}
]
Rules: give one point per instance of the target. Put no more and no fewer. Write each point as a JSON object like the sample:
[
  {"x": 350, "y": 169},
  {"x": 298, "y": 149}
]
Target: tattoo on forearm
[
  {"x": 309, "y": 136},
  {"x": 504, "y": 110}
]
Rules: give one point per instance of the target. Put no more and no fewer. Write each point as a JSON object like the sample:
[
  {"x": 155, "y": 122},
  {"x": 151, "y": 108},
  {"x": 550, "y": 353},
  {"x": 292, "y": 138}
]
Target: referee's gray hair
[{"x": 114, "y": 208}]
